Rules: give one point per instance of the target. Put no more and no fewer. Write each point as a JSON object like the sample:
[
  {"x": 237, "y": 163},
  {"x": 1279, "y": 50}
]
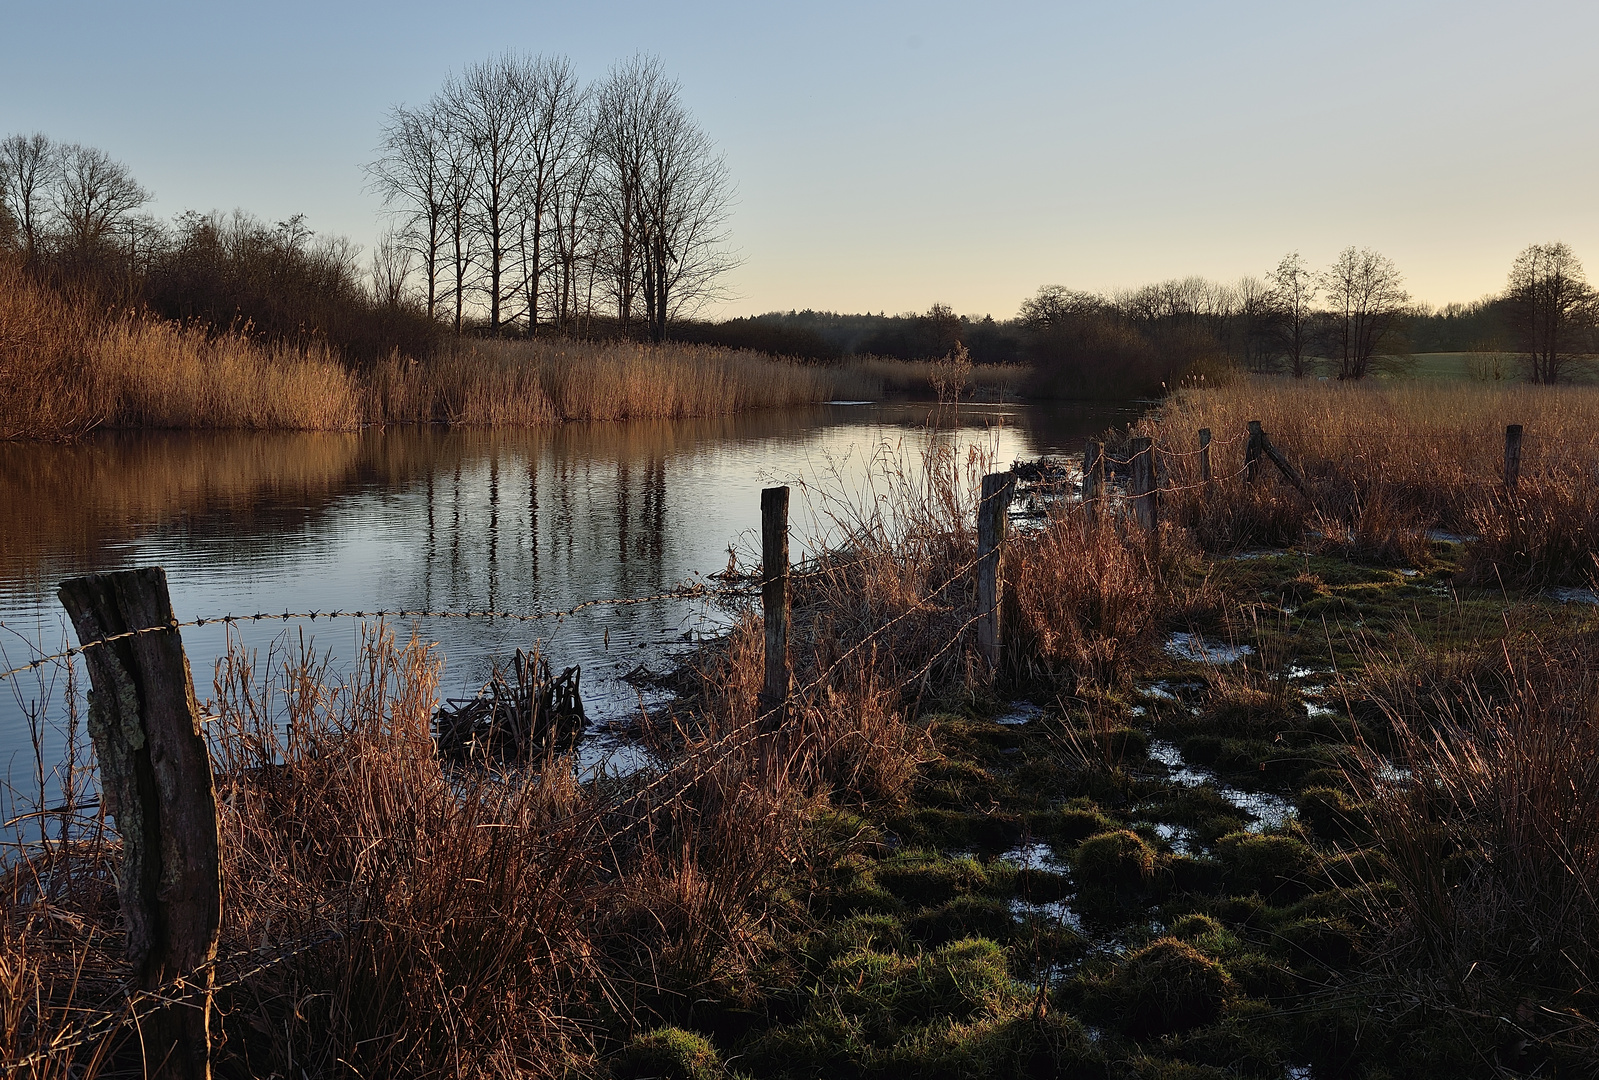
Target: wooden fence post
[
  {"x": 1252, "y": 451},
  {"x": 155, "y": 776},
  {"x": 1143, "y": 488},
  {"x": 1204, "y": 455},
  {"x": 774, "y": 603},
  {"x": 1512, "y": 457},
  {"x": 992, "y": 517},
  {"x": 1093, "y": 481}
]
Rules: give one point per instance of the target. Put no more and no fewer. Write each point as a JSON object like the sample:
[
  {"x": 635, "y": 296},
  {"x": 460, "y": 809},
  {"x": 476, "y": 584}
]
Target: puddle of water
[
  {"x": 599, "y": 756},
  {"x": 851, "y": 403},
  {"x": 1409, "y": 573},
  {"x": 1186, "y": 646},
  {"x": 1034, "y": 856},
  {"x": 1573, "y": 596},
  {"x": 1058, "y": 912},
  {"x": 1020, "y": 712},
  {"x": 1160, "y": 692},
  {"x": 1180, "y": 838},
  {"x": 1250, "y": 556},
  {"x": 1266, "y": 810},
  {"x": 1448, "y": 537}
]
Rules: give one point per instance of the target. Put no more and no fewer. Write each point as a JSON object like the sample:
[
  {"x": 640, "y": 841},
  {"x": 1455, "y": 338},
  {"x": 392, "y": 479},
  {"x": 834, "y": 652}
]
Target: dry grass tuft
[{"x": 1491, "y": 828}]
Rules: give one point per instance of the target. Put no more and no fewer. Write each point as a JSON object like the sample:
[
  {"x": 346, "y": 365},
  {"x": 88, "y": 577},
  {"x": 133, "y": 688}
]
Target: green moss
[
  {"x": 1194, "y": 925},
  {"x": 1276, "y": 867},
  {"x": 1333, "y": 942},
  {"x": 962, "y": 917},
  {"x": 1072, "y": 824},
  {"x": 1051, "y": 1045},
  {"x": 881, "y": 933},
  {"x": 667, "y": 1053},
  {"x": 1114, "y": 860},
  {"x": 1166, "y": 986},
  {"x": 885, "y": 991},
  {"x": 1332, "y": 814},
  {"x": 925, "y": 880}
]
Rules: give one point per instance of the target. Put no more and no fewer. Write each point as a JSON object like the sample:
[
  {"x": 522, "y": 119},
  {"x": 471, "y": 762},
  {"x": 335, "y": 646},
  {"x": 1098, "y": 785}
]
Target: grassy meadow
[{"x": 1366, "y": 845}]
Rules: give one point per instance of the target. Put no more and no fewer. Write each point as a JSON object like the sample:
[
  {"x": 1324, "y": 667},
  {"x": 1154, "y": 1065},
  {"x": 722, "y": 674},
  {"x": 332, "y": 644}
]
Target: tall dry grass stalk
[
  {"x": 1489, "y": 829},
  {"x": 1384, "y": 463}
]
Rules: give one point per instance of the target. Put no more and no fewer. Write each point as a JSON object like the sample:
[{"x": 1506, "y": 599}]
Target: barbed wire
[{"x": 141, "y": 1004}]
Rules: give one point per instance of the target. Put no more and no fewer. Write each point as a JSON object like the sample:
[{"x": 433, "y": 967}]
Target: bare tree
[
  {"x": 412, "y": 172},
  {"x": 1550, "y": 307},
  {"x": 94, "y": 197},
  {"x": 392, "y": 261},
  {"x": 1294, "y": 290},
  {"x": 555, "y": 103},
  {"x": 1366, "y": 301},
  {"x": 29, "y": 166},
  {"x": 1253, "y": 320},
  {"x": 576, "y": 211},
  {"x": 671, "y": 193},
  {"x": 488, "y": 107}
]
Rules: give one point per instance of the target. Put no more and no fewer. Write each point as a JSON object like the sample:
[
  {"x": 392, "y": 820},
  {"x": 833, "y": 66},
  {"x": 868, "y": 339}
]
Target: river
[{"x": 438, "y": 519}]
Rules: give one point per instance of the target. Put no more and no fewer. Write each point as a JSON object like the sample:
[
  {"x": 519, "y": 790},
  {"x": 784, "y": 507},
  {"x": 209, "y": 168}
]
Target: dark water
[{"x": 437, "y": 519}]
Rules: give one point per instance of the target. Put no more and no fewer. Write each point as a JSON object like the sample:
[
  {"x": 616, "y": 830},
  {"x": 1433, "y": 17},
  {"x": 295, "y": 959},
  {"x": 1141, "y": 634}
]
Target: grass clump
[
  {"x": 667, "y": 1053},
  {"x": 1114, "y": 861},
  {"x": 1166, "y": 986}
]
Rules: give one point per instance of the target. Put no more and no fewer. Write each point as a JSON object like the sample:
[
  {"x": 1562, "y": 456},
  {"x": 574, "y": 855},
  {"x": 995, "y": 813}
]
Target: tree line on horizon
[
  {"x": 597, "y": 211},
  {"x": 1349, "y": 320}
]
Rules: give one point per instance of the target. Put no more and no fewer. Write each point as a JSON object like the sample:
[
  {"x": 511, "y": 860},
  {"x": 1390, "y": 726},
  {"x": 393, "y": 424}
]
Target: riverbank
[
  {"x": 66, "y": 371},
  {"x": 1267, "y": 810}
]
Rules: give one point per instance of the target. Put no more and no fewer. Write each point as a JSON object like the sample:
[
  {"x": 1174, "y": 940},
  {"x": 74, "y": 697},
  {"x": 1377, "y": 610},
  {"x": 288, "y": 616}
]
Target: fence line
[{"x": 704, "y": 759}]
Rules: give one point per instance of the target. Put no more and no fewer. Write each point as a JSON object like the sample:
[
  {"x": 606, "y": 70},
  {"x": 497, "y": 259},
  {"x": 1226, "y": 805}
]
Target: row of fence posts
[{"x": 155, "y": 771}]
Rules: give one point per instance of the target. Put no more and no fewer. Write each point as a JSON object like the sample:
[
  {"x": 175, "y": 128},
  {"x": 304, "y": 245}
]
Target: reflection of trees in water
[{"x": 245, "y": 486}]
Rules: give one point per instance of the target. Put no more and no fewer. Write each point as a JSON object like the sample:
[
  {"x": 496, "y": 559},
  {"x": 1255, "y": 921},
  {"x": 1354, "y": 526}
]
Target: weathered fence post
[
  {"x": 1512, "y": 457},
  {"x": 1204, "y": 455},
  {"x": 1143, "y": 487},
  {"x": 1093, "y": 481},
  {"x": 155, "y": 776},
  {"x": 774, "y": 603},
  {"x": 1252, "y": 451},
  {"x": 992, "y": 517}
]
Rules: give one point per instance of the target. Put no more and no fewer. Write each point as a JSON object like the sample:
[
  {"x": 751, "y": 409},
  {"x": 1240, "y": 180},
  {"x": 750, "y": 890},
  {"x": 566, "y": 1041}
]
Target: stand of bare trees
[
  {"x": 1551, "y": 310},
  {"x": 529, "y": 199}
]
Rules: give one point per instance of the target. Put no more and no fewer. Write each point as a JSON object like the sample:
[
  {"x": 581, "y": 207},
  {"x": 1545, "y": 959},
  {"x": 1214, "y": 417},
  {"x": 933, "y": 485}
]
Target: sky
[{"x": 888, "y": 156}]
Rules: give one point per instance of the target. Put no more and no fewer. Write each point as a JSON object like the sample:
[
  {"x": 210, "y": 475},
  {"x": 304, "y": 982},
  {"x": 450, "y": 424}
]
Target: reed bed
[
  {"x": 66, "y": 370},
  {"x": 1488, "y": 830},
  {"x": 1384, "y": 464}
]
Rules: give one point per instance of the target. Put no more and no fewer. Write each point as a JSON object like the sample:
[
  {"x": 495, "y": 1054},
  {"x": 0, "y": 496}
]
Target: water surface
[{"x": 443, "y": 519}]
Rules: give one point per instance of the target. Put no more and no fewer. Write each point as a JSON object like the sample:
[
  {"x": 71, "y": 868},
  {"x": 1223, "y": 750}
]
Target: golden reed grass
[
  {"x": 1384, "y": 463},
  {"x": 66, "y": 370}
]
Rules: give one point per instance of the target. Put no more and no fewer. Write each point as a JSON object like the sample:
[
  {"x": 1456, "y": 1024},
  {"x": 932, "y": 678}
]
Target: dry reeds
[
  {"x": 1489, "y": 828},
  {"x": 66, "y": 370},
  {"x": 1385, "y": 463}
]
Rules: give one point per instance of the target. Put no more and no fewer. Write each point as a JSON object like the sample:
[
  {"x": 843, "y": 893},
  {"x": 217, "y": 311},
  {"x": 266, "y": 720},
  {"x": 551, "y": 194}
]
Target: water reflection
[{"x": 438, "y": 519}]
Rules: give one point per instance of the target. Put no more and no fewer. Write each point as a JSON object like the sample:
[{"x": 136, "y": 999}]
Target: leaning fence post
[
  {"x": 992, "y": 517},
  {"x": 155, "y": 775},
  {"x": 1093, "y": 481},
  {"x": 1142, "y": 490},
  {"x": 774, "y": 602},
  {"x": 1252, "y": 451},
  {"x": 1512, "y": 457},
  {"x": 1204, "y": 455}
]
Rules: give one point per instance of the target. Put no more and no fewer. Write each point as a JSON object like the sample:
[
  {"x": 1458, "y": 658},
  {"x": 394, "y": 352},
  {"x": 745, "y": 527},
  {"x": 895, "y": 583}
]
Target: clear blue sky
[{"x": 889, "y": 155}]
